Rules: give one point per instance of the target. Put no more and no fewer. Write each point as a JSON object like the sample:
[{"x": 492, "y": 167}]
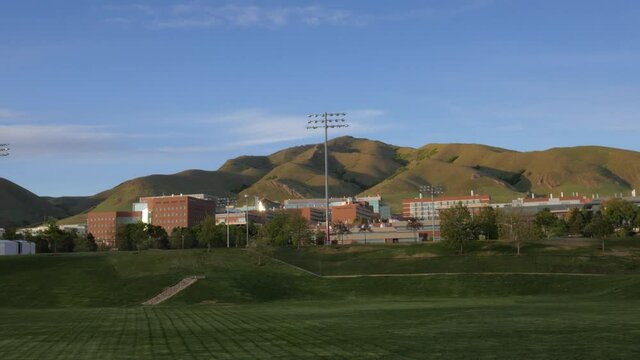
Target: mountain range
[{"x": 358, "y": 167}]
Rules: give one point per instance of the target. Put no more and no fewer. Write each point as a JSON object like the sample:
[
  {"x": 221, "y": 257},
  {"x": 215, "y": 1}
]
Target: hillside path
[
  {"x": 171, "y": 291},
  {"x": 347, "y": 276}
]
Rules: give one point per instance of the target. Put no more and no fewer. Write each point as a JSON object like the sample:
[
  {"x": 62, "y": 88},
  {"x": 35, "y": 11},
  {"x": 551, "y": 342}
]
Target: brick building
[
  {"x": 428, "y": 209},
  {"x": 313, "y": 215},
  {"x": 103, "y": 225},
  {"x": 351, "y": 213},
  {"x": 174, "y": 211}
]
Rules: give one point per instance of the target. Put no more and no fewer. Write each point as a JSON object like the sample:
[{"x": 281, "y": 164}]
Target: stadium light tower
[
  {"x": 433, "y": 190},
  {"x": 4, "y": 149},
  {"x": 326, "y": 121}
]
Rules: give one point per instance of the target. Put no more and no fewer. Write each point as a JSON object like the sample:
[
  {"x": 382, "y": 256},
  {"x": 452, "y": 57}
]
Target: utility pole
[
  {"x": 326, "y": 121},
  {"x": 246, "y": 207},
  {"x": 227, "y": 223},
  {"x": 4, "y": 149},
  {"x": 433, "y": 190}
]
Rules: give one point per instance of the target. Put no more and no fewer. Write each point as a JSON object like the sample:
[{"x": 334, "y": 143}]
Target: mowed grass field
[{"x": 78, "y": 306}]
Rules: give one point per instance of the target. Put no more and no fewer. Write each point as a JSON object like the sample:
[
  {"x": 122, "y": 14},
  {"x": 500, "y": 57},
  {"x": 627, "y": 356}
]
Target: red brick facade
[
  {"x": 170, "y": 212},
  {"x": 350, "y": 213},
  {"x": 103, "y": 225}
]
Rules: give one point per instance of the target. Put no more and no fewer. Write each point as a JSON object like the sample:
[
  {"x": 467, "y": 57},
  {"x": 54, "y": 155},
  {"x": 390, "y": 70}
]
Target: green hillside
[
  {"x": 218, "y": 183},
  {"x": 72, "y": 306},
  {"x": 505, "y": 174},
  {"x": 20, "y": 207},
  {"x": 355, "y": 165},
  {"x": 361, "y": 167}
]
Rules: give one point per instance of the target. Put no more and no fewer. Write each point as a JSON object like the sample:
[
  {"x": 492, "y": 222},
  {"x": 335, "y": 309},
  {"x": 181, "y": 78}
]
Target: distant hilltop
[{"x": 359, "y": 167}]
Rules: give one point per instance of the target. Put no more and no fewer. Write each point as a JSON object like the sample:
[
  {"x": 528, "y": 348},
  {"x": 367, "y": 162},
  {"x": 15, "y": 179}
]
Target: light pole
[
  {"x": 4, "y": 149},
  {"x": 326, "y": 121},
  {"x": 433, "y": 190},
  {"x": 246, "y": 207},
  {"x": 227, "y": 223}
]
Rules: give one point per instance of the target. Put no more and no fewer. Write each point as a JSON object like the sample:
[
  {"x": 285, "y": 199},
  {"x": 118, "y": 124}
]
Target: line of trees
[
  {"x": 458, "y": 227},
  {"x": 54, "y": 240},
  {"x": 207, "y": 234},
  {"x": 289, "y": 228}
]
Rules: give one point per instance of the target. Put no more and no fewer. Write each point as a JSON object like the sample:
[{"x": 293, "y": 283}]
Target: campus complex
[{"x": 187, "y": 210}]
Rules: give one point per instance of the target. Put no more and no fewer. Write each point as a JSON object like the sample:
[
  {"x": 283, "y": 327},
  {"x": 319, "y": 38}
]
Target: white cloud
[
  {"x": 56, "y": 139},
  {"x": 255, "y": 127},
  {"x": 207, "y": 15},
  {"x": 8, "y": 114}
]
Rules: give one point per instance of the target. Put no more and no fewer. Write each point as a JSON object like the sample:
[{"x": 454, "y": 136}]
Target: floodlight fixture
[
  {"x": 433, "y": 190},
  {"x": 4, "y": 149},
  {"x": 326, "y": 122}
]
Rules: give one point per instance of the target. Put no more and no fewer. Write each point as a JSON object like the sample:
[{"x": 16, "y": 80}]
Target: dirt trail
[{"x": 169, "y": 292}]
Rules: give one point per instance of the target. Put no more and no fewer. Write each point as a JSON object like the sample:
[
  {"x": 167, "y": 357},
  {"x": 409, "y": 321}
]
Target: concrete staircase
[{"x": 172, "y": 291}]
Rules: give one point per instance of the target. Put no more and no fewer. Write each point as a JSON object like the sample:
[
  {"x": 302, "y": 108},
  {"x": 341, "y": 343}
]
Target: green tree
[
  {"x": 548, "y": 223},
  {"x": 600, "y": 227},
  {"x": 298, "y": 227},
  {"x": 486, "y": 223},
  {"x": 209, "y": 234},
  {"x": 286, "y": 228},
  {"x": 157, "y": 237},
  {"x": 621, "y": 213},
  {"x": 59, "y": 241},
  {"x": 182, "y": 237},
  {"x": 516, "y": 226},
  {"x": 85, "y": 244},
  {"x": 457, "y": 227},
  {"x": 274, "y": 231},
  {"x": 10, "y": 234},
  {"x": 131, "y": 236},
  {"x": 577, "y": 220},
  {"x": 42, "y": 245}
]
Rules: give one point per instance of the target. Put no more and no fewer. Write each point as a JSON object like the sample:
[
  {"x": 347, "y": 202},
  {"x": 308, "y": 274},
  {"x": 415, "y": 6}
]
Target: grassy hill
[
  {"x": 19, "y": 206},
  {"x": 218, "y": 183},
  {"x": 505, "y": 174},
  {"x": 87, "y": 306},
  {"x": 362, "y": 167}
]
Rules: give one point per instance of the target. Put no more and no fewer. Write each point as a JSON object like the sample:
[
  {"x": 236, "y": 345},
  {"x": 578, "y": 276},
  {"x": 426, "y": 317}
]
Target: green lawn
[
  {"x": 463, "y": 328},
  {"x": 490, "y": 256},
  {"x": 87, "y": 306}
]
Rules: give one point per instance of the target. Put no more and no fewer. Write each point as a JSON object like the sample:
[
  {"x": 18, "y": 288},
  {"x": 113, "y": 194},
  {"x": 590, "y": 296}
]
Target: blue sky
[{"x": 93, "y": 93}]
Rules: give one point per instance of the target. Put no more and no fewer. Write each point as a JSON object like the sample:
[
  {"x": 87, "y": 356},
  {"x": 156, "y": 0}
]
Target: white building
[
  {"x": 17, "y": 247},
  {"x": 8, "y": 247}
]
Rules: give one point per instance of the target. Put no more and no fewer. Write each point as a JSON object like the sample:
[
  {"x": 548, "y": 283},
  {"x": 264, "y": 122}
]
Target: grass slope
[
  {"x": 78, "y": 306},
  {"x": 217, "y": 183},
  {"x": 488, "y": 328},
  {"x": 504, "y": 174},
  {"x": 356, "y": 165},
  {"x": 20, "y": 207},
  {"x": 366, "y": 167}
]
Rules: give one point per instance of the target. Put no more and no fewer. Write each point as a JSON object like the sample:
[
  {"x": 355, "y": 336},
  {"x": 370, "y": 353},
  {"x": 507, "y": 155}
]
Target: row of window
[
  {"x": 102, "y": 225},
  {"x": 171, "y": 208},
  {"x": 102, "y": 232},
  {"x": 169, "y": 214}
]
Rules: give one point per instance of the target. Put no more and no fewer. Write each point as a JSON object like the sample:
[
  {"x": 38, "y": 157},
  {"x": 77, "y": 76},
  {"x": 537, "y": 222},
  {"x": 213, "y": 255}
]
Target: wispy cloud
[
  {"x": 57, "y": 139},
  {"x": 206, "y": 15},
  {"x": 255, "y": 127},
  {"x": 8, "y": 114},
  {"x": 211, "y": 14}
]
